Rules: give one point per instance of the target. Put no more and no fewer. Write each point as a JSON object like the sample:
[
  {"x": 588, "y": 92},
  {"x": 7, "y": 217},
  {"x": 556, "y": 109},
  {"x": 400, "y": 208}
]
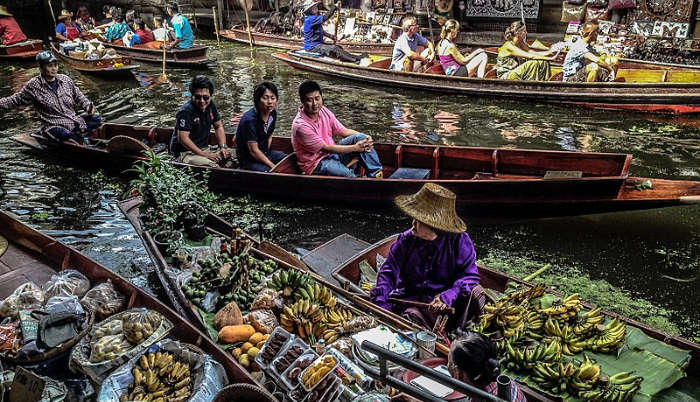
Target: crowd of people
[{"x": 125, "y": 28}]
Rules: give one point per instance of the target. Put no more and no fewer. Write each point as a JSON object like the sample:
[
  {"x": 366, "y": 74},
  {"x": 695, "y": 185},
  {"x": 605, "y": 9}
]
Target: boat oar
[
  {"x": 337, "y": 23},
  {"x": 165, "y": 49},
  {"x": 416, "y": 304},
  {"x": 430, "y": 23},
  {"x": 244, "y": 3},
  {"x": 52, "y": 13},
  {"x": 216, "y": 25}
]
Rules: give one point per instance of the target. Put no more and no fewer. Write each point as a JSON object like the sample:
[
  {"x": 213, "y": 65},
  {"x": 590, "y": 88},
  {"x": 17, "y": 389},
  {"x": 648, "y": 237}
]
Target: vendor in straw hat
[
  {"x": 10, "y": 32},
  {"x": 314, "y": 33},
  {"x": 67, "y": 30},
  {"x": 433, "y": 262}
]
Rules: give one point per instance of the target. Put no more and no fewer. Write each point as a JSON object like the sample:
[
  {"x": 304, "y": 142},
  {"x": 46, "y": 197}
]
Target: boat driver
[
  {"x": 433, "y": 263},
  {"x": 313, "y": 33},
  {"x": 55, "y": 98}
]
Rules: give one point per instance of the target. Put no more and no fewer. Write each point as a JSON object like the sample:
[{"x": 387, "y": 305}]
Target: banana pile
[
  {"x": 587, "y": 322},
  {"x": 620, "y": 388},
  {"x": 290, "y": 282},
  {"x": 304, "y": 318},
  {"x": 610, "y": 339},
  {"x": 509, "y": 318},
  {"x": 336, "y": 320},
  {"x": 158, "y": 379},
  {"x": 570, "y": 342},
  {"x": 529, "y": 357},
  {"x": 318, "y": 294},
  {"x": 565, "y": 309}
]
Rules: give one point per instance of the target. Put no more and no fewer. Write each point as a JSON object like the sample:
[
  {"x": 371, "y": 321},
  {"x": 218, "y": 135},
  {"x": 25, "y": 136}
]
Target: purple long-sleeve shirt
[{"x": 416, "y": 268}]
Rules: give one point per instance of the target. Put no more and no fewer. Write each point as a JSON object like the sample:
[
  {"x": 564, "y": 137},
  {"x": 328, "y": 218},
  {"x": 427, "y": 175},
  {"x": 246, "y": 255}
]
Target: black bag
[{"x": 57, "y": 328}]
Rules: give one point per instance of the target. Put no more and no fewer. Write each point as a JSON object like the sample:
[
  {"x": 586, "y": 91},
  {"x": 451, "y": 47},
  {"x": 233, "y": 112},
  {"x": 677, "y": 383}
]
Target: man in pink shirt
[{"x": 313, "y": 129}]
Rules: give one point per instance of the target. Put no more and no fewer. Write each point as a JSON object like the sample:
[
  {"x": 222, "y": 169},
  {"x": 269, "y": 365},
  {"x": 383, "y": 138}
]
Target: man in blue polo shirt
[
  {"x": 193, "y": 122},
  {"x": 184, "y": 37},
  {"x": 313, "y": 33}
]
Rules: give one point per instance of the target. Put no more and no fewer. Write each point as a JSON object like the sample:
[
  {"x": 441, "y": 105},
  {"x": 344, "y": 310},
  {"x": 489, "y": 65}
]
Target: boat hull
[
  {"x": 195, "y": 57},
  {"x": 675, "y": 98},
  {"x": 99, "y": 68},
  {"x": 25, "y": 51}
]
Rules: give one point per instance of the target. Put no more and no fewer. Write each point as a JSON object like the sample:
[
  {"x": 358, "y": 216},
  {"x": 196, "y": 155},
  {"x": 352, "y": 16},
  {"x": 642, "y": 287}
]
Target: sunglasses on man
[{"x": 201, "y": 97}]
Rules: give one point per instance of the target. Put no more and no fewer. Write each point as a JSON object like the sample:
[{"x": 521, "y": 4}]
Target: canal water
[{"x": 650, "y": 256}]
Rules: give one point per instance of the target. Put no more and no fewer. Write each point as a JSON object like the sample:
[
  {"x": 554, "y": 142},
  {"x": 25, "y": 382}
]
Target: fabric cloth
[
  {"x": 61, "y": 134},
  {"x": 420, "y": 269},
  {"x": 116, "y": 31},
  {"x": 71, "y": 32},
  {"x": 274, "y": 157},
  {"x": 130, "y": 39},
  {"x": 252, "y": 129},
  {"x": 509, "y": 68},
  {"x": 575, "y": 58},
  {"x": 466, "y": 309},
  {"x": 404, "y": 47},
  {"x": 193, "y": 159},
  {"x": 183, "y": 31},
  {"x": 516, "y": 395},
  {"x": 308, "y": 137},
  {"x": 601, "y": 74},
  {"x": 53, "y": 108},
  {"x": 197, "y": 122},
  {"x": 159, "y": 34},
  {"x": 313, "y": 29},
  {"x": 144, "y": 35},
  {"x": 335, "y": 164},
  {"x": 451, "y": 59},
  {"x": 335, "y": 52},
  {"x": 10, "y": 32}
]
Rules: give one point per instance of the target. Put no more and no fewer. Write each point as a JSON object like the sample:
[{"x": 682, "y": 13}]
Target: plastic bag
[
  {"x": 26, "y": 296},
  {"x": 572, "y": 12},
  {"x": 108, "y": 348},
  {"x": 263, "y": 321},
  {"x": 139, "y": 324},
  {"x": 64, "y": 304},
  {"x": 597, "y": 14},
  {"x": 344, "y": 346},
  {"x": 10, "y": 337},
  {"x": 111, "y": 327},
  {"x": 68, "y": 282},
  {"x": 267, "y": 299},
  {"x": 207, "y": 376},
  {"x": 103, "y": 300}
]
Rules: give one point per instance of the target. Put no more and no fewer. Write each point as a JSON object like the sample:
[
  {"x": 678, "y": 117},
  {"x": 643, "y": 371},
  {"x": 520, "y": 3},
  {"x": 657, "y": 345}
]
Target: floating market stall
[{"x": 105, "y": 66}]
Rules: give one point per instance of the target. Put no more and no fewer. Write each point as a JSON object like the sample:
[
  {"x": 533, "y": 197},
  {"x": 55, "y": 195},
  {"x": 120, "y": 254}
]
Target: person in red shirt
[
  {"x": 67, "y": 30},
  {"x": 142, "y": 31},
  {"x": 10, "y": 32}
]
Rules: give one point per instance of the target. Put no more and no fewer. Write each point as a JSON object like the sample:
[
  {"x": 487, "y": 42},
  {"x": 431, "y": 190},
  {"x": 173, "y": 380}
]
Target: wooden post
[
  {"x": 337, "y": 24},
  {"x": 215, "y": 17},
  {"x": 247, "y": 23},
  {"x": 165, "y": 48},
  {"x": 220, "y": 13},
  {"x": 53, "y": 15}
]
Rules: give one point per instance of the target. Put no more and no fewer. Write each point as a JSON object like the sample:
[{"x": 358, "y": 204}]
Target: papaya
[{"x": 236, "y": 333}]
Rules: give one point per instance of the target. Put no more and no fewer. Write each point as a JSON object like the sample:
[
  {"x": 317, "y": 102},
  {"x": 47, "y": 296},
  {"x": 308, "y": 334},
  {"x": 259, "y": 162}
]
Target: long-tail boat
[
  {"x": 240, "y": 35},
  {"x": 103, "y": 68},
  {"x": 194, "y": 57},
  {"x": 26, "y": 50},
  {"x": 645, "y": 90},
  {"x": 504, "y": 183},
  {"x": 33, "y": 256}
]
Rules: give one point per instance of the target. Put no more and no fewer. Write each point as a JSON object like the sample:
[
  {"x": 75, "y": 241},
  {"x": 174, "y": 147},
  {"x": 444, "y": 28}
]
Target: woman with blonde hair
[
  {"x": 516, "y": 61},
  {"x": 452, "y": 60}
]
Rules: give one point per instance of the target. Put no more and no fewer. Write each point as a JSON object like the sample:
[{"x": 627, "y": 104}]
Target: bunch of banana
[
  {"x": 585, "y": 324},
  {"x": 534, "y": 324},
  {"x": 585, "y": 377},
  {"x": 564, "y": 309},
  {"x": 554, "y": 377},
  {"x": 509, "y": 318},
  {"x": 621, "y": 387},
  {"x": 367, "y": 286},
  {"x": 317, "y": 294},
  {"x": 609, "y": 339},
  {"x": 157, "y": 379},
  {"x": 571, "y": 344},
  {"x": 337, "y": 317},
  {"x": 527, "y": 358},
  {"x": 525, "y": 294},
  {"x": 304, "y": 318},
  {"x": 290, "y": 282}
]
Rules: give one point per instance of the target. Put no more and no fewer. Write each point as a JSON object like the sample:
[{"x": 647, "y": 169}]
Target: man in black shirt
[{"x": 193, "y": 122}]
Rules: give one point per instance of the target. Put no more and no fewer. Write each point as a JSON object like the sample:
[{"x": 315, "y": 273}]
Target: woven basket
[
  {"x": 243, "y": 393},
  {"x": 123, "y": 144}
]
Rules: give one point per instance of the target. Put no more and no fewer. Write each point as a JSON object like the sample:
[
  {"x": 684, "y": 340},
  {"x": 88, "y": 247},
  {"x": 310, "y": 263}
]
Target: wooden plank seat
[{"x": 287, "y": 165}]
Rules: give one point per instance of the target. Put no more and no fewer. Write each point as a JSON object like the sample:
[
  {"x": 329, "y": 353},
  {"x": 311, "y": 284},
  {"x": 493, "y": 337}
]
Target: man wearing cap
[
  {"x": 184, "y": 37},
  {"x": 434, "y": 262},
  {"x": 55, "y": 98},
  {"x": 313, "y": 33},
  {"x": 10, "y": 32}
]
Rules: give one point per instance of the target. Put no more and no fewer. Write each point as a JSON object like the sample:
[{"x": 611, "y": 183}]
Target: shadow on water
[{"x": 636, "y": 251}]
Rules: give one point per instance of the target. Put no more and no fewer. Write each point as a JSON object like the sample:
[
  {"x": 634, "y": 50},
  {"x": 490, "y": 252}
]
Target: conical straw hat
[
  {"x": 4, "y": 12},
  {"x": 434, "y": 206}
]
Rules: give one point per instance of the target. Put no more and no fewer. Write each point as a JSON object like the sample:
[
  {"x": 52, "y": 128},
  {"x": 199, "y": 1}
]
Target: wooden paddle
[
  {"x": 244, "y": 5},
  {"x": 337, "y": 24},
  {"x": 216, "y": 25}
]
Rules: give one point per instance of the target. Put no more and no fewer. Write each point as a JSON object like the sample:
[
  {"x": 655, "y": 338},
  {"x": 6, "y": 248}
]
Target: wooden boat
[
  {"x": 103, "y": 68},
  {"x": 23, "y": 51},
  {"x": 194, "y": 57},
  {"x": 657, "y": 91},
  {"x": 33, "y": 256},
  {"x": 503, "y": 183},
  {"x": 240, "y": 35}
]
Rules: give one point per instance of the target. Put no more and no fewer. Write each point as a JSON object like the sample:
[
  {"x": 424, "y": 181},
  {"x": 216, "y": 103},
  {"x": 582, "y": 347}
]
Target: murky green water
[{"x": 632, "y": 251}]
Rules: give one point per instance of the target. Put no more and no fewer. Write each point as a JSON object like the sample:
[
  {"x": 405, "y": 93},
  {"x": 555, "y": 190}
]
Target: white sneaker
[{"x": 365, "y": 62}]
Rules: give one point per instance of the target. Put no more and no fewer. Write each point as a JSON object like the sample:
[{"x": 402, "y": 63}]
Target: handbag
[
  {"x": 621, "y": 4},
  {"x": 571, "y": 12}
]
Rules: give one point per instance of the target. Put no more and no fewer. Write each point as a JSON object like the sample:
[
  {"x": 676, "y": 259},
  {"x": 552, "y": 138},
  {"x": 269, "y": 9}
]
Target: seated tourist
[
  {"x": 411, "y": 49},
  {"x": 313, "y": 33},
  {"x": 575, "y": 68},
  {"x": 452, "y": 60},
  {"x": 193, "y": 122},
  {"x": 144, "y": 34},
  {"x": 10, "y": 32},
  {"x": 160, "y": 33},
  {"x": 84, "y": 19},
  {"x": 433, "y": 262},
  {"x": 313, "y": 129},
  {"x": 516, "y": 61},
  {"x": 254, "y": 132},
  {"x": 184, "y": 37},
  {"x": 67, "y": 30},
  {"x": 118, "y": 29}
]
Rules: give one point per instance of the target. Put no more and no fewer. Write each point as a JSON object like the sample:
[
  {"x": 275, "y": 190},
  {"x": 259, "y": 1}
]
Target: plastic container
[
  {"x": 321, "y": 394},
  {"x": 315, "y": 363},
  {"x": 351, "y": 368},
  {"x": 293, "y": 383},
  {"x": 279, "y": 331},
  {"x": 295, "y": 342}
]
